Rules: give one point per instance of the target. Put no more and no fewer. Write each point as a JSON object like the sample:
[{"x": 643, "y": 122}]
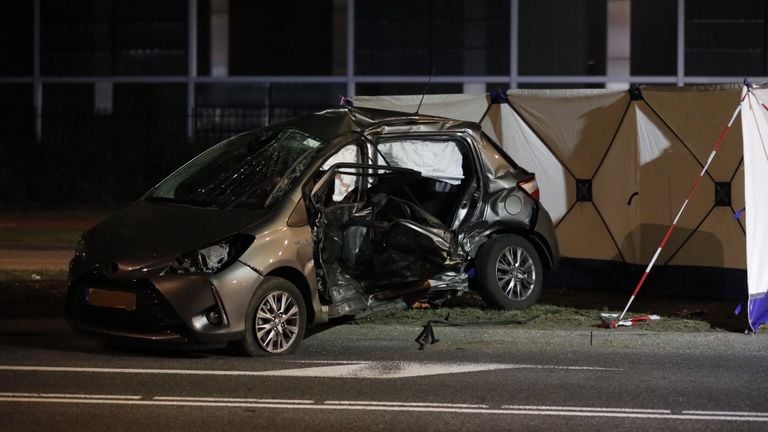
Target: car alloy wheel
[
  {"x": 509, "y": 272},
  {"x": 516, "y": 273},
  {"x": 277, "y": 322},
  {"x": 276, "y": 319}
]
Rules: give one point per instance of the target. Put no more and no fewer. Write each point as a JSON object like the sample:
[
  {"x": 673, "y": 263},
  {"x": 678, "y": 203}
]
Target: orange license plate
[{"x": 112, "y": 299}]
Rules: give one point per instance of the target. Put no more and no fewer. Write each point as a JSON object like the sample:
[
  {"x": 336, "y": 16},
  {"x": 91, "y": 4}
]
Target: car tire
[
  {"x": 509, "y": 272},
  {"x": 276, "y": 319}
]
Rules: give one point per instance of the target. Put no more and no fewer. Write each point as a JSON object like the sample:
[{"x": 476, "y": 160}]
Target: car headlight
[{"x": 212, "y": 258}]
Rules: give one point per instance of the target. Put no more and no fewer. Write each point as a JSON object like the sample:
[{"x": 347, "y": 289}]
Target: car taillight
[{"x": 530, "y": 187}]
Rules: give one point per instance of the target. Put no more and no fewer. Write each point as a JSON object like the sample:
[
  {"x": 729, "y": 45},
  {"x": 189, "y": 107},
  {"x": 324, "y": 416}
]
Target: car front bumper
[{"x": 163, "y": 309}]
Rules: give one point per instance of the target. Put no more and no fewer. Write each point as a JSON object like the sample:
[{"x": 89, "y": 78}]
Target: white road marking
[
  {"x": 126, "y": 371},
  {"x": 424, "y": 404},
  {"x": 212, "y": 399},
  {"x": 402, "y": 407},
  {"x": 563, "y": 408},
  {"x": 387, "y": 370},
  {"x": 362, "y": 369},
  {"x": 67, "y": 395},
  {"x": 727, "y": 413}
]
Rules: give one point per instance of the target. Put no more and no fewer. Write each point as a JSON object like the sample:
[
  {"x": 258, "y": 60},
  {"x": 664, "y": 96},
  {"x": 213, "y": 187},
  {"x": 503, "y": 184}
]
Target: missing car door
[{"x": 375, "y": 240}]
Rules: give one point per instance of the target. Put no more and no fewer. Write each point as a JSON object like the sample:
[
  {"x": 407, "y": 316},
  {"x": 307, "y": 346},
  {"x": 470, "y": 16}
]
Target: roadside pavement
[
  {"x": 42, "y": 240},
  {"x": 19, "y": 258}
]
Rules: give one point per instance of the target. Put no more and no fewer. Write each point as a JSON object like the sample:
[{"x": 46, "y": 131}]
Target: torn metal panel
[
  {"x": 448, "y": 280},
  {"x": 384, "y": 247}
]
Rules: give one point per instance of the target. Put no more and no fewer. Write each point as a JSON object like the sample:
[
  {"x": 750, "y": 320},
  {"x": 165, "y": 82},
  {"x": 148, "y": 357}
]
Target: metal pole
[
  {"x": 37, "y": 86},
  {"x": 191, "y": 66},
  {"x": 680, "y": 43},
  {"x": 350, "y": 48},
  {"x": 618, "y": 47},
  {"x": 514, "y": 26},
  {"x": 672, "y": 227}
]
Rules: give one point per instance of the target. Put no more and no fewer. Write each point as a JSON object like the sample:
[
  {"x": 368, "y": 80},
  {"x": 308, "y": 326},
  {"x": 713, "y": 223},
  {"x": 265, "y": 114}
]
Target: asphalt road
[{"x": 373, "y": 378}]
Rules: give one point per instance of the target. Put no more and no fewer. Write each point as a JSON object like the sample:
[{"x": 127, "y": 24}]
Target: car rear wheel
[
  {"x": 276, "y": 319},
  {"x": 509, "y": 272}
]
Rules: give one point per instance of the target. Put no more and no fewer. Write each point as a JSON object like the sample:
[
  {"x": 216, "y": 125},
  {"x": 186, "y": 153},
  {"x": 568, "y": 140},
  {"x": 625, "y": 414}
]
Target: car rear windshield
[{"x": 252, "y": 170}]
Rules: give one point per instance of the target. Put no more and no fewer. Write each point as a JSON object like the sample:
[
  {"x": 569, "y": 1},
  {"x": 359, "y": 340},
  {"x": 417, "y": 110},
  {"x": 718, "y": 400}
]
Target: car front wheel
[
  {"x": 509, "y": 272},
  {"x": 276, "y": 319}
]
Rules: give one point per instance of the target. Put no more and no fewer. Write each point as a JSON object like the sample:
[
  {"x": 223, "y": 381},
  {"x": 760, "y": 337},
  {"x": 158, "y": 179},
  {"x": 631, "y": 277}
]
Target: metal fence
[{"x": 211, "y": 124}]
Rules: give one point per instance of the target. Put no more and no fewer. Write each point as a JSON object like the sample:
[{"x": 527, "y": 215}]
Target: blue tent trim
[
  {"x": 758, "y": 311},
  {"x": 499, "y": 96}
]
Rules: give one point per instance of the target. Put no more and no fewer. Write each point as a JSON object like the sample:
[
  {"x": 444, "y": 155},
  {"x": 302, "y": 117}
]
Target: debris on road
[
  {"x": 427, "y": 335},
  {"x": 608, "y": 320}
]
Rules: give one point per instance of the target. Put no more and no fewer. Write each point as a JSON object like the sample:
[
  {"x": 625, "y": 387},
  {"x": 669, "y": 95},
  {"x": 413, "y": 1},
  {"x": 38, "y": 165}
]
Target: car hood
[{"x": 148, "y": 235}]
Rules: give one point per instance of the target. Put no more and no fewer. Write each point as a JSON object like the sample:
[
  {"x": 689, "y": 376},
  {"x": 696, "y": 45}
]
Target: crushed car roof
[{"x": 331, "y": 123}]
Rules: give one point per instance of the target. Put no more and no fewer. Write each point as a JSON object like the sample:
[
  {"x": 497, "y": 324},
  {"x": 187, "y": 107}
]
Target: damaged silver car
[{"x": 344, "y": 212}]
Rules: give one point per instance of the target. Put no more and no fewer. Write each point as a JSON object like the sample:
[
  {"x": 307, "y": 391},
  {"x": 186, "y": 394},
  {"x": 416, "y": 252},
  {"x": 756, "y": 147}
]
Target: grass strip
[
  {"x": 41, "y": 236},
  {"x": 7, "y": 275}
]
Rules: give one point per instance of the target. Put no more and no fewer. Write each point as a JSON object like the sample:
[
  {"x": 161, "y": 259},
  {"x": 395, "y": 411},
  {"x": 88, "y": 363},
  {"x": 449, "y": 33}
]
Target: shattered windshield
[{"x": 252, "y": 170}]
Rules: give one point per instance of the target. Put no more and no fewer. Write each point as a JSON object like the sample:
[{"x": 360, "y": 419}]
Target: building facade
[{"x": 181, "y": 70}]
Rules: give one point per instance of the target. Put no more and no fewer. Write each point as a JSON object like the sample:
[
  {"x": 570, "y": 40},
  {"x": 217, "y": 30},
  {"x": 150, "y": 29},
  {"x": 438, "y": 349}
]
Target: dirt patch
[
  {"x": 678, "y": 313},
  {"x": 580, "y": 310}
]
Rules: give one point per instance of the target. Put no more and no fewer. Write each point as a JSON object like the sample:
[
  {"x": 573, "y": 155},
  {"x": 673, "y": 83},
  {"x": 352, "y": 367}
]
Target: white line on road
[
  {"x": 68, "y": 395},
  {"x": 248, "y": 400},
  {"x": 704, "y": 416},
  {"x": 424, "y": 404},
  {"x": 360, "y": 370},
  {"x": 563, "y": 408},
  {"x": 736, "y": 413},
  {"x": 126, "y": 371}
]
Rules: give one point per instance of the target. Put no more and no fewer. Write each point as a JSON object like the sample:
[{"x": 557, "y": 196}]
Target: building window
[
  {"x": 654, "y": 37},
  {"x": 16, "y": 34},
  {"x": 415, "y": 37},
  {"x": 725, "y": 38},
  {"x": 281, "y": 38},
  {"x": 107, "y": 37},
  {"x": 562, "y": 37}
]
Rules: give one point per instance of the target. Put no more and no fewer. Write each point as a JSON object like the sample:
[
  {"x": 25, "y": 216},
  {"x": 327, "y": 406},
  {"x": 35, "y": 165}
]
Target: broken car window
[{"x": 252, "y": 170}]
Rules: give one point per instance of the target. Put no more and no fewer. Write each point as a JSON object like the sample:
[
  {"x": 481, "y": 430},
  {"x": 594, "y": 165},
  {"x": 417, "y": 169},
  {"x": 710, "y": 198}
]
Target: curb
[
  {"x": 55, "y": 247},
  {"x": 458, "y": 337}
]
